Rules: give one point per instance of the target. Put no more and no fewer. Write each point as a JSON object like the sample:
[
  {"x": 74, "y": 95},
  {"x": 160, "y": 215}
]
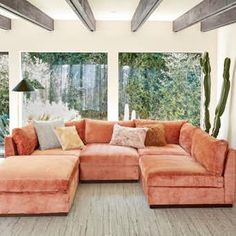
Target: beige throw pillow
[{"x": 68, "y": 138}]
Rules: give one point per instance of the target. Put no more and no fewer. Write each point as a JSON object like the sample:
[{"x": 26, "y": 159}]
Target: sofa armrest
[
  {"x": 10, "y": 146},
  {"x": 230, "y": 177}
]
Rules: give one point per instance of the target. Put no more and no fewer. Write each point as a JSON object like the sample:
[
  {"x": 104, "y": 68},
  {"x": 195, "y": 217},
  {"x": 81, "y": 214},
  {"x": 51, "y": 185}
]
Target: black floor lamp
[{"x": 23, "y": 86}]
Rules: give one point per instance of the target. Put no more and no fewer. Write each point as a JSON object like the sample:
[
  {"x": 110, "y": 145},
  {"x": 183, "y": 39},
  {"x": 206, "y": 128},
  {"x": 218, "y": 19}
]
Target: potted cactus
[
  {"x": 223, "y": 98},
  {"x": 206, "y": 69}
]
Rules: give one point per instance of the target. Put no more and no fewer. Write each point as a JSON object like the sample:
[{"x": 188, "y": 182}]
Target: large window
[
  {"x": 75, "y": 85},
  {"x": 4, "y": 96},
  {"x": 163, "y": 86}
]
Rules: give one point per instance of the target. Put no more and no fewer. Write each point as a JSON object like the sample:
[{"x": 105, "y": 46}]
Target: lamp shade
[{"x": 23, "y": 86}]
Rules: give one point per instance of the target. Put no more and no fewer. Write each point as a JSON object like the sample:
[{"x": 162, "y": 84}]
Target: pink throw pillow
[
  {"x": 26, "y": 139},
  {"x": 131, "y": 137}
]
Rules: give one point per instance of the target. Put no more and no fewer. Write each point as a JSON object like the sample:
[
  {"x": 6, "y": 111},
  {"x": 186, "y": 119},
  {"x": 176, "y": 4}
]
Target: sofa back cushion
[
  {"x": 172, "y": 128},
  {"x": 210, "y": 152},
  {"x": 99, "y": 131},
  {"x": 26, "y": 139},
  {"x": 80, "y": 127},
  {"x": 186, "y": 136}
]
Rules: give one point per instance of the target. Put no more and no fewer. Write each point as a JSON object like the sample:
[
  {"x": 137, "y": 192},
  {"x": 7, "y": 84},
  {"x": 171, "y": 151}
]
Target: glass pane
[
  {"x": 4, "y": 96},
  {"x": 165, "y": 86},
  {"x": 75, "y": 85}
]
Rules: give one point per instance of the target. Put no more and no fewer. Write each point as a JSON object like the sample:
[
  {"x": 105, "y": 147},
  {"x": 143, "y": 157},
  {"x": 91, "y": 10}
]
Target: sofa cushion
[
  {"x": 37, "y": 174},
  {"x": 108, "y": 155},
  {"x": 26, "y": 139},
  {"x": 210, "y": 152},
  {"x": 99, "y": 131},
  {"x": 56, "y": 151},
  {"x": 169, "y": 149},
  {"x": 186, "y": 136},
  {"x": 172, "y": 128},
  {"x": 80, "y": 127},
  {"x": 129, "y": 137},
  {"x": 177, "y": 171}
]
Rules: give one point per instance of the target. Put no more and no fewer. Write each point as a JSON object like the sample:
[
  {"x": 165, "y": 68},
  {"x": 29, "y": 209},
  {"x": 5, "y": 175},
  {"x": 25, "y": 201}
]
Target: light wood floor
[{"x": 120, "y": 210}]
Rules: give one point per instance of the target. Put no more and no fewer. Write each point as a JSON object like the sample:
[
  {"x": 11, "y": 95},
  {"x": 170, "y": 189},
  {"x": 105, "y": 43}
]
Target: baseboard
[
  {"x": 107, "y": 181},
  {"x": 34, "y": 215},
  {"x": 191, "y": 206}
]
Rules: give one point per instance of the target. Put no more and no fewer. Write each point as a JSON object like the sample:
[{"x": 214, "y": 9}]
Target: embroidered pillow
[
  {"x": 68, "y": 138},
  {"x": 131, "y": 137},
  {"x": 25, "y": 139},
  {"x": 155, "y": 135}
]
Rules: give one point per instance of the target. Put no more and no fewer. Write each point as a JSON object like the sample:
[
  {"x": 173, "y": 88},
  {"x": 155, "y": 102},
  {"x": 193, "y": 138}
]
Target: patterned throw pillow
[
  {"x": 131, "y": 137},
  {"x": 45, "y": 132},
  {"x": 155, "y": 135},
  {"x": 68, "y": 138}
]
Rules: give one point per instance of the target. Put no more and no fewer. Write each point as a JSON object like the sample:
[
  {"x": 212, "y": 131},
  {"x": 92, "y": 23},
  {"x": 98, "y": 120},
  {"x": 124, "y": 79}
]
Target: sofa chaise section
[
  {"x": 205, "y": 177},
  {"x": 164, "y": 188},
  {"x": 38, "y": 184}
]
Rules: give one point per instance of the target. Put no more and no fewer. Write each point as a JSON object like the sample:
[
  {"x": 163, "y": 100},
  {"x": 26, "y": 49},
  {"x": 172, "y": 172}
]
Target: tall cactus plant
[
  {"x": 206, "y": 68},
  {"x": 223, "y": 98}
]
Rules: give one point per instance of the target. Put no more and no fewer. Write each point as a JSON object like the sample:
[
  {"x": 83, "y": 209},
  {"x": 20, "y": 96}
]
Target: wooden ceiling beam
[
  {"x": 5, "y": 23},
  {"x": 202, "y": 11},
  {"x": 28, "y": 11},
  {"x": 143, "y": 11},
  {"x": 84, "y": 12},
  {"x": 220, "y": 20}
]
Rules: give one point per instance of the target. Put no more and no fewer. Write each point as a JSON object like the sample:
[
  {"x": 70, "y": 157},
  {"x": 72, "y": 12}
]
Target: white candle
[
  {"x": 133, "y": 115},
  {"x": 126, "y": 112}
]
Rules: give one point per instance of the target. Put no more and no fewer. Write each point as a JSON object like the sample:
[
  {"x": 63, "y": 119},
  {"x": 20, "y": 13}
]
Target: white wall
[
  {"x": 110, "y": 37},
  {"x": 226, "y": 47}
]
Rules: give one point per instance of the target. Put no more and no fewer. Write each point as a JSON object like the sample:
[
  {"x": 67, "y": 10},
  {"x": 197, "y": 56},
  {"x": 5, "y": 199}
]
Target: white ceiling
[{"x": 122, "y": 10}]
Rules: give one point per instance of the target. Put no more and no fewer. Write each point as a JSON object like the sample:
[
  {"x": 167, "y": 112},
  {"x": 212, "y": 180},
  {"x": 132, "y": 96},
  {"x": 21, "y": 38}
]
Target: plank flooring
[{"x": 120, "y": 209}]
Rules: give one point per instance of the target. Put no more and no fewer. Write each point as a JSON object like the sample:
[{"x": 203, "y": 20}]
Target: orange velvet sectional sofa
[{"x": 192, "y": 169}]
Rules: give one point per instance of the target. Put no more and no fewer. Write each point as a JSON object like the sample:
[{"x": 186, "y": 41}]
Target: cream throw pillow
[{"x": 68, "y": 138}]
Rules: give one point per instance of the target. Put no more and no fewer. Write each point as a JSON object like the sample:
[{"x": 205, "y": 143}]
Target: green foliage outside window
[
  {"x": 164, "y": 86},
  {"x": 75, "y": 84}
]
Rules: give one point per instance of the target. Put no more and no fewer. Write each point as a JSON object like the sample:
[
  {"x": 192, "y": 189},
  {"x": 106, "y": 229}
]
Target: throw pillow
[
  {"x": 68, "y": 138},
  {"x": 172, "y": 128},
  {"x": 25, "y": 139},
  {"x": 131, "y": 137},
  {"x": 46, "y": 136},
  {"x": 80, "y": 127},
  {"x": 155, "y": 135}
]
